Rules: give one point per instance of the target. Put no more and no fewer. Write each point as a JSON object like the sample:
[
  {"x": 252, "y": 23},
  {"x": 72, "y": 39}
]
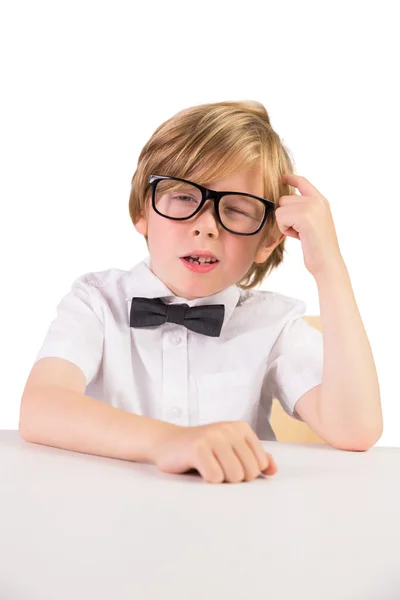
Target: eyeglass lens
[{"x": 239, "y": 213}]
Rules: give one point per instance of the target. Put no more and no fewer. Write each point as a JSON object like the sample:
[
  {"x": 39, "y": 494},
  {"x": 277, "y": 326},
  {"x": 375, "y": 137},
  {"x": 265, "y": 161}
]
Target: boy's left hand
[{"x": 308, "y": 218}]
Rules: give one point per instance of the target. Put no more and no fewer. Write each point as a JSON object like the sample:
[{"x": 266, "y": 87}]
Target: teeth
[{"x": 201, "y": 260}]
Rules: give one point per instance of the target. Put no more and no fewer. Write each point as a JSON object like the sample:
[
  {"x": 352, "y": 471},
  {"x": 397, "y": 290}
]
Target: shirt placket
[{"x": 175, "y": 376}]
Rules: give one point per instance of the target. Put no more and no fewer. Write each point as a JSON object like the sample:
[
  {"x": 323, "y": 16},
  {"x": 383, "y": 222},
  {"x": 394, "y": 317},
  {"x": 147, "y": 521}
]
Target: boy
[{"x": 177, "y": 360}]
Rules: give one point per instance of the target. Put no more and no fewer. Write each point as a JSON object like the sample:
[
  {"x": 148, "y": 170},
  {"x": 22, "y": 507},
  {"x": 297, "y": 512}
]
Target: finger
[
  {"x": 301, "y": 183},
  {"x": 263, "y": 457},
  {"x": 229, "y": 461},
  {"x": 297, "y": 200},
  {"x": 247, "y": 458},
  {"x": 272, "y": 467},
  {"x": 289, "y": 221},
  {"x": 207, "y": 464},
  {"x": 265, "y": 460}
]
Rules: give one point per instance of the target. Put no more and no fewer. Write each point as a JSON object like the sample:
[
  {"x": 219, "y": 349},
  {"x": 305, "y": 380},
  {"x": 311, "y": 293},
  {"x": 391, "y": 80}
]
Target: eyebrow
[{"x": 227, "y": 191}]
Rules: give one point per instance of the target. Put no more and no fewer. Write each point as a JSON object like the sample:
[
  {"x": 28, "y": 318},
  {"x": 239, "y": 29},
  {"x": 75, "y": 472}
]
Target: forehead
[{"x": 245, "y": 180}]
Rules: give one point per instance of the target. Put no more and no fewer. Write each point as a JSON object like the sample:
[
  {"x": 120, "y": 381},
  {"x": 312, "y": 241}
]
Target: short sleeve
[
  {"x": 295, "y": 362},
  {"x": 77, "y": 332}
]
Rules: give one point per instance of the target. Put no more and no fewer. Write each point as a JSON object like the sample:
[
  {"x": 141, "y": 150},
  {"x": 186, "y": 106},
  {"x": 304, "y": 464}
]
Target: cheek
[
  {"x": 163, "y": 238},
  {"x": 243, "y": 249}
]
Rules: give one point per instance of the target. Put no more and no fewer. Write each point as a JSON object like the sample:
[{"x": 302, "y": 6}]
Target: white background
[{"x": 85, "y": 84}]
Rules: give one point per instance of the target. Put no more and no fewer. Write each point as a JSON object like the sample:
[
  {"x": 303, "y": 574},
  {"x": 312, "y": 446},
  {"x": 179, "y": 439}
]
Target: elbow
[
  {"x": 352, "y": 447},
  {"x": 23, "y": 428},
  {"x": 25, "y": 431},
  {"x": 21, "y": 423},
  {"x": 358, "y": 443},
  {"x": 356, "y": 437},
  {"x": 25, "y": 425}
]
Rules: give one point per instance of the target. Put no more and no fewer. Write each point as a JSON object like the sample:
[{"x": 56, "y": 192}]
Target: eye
[
  {"x": 183, "y": 198},
  {"x": 239, "y": 212}
]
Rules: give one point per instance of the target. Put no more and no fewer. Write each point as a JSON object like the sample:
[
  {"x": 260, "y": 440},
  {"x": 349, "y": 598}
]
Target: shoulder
[
  {"x": 272, "y": 303},
  {"x": 266, "y": 312},
  {"x": 100, "y": 288},
  {"x": 101, "y": 279}
]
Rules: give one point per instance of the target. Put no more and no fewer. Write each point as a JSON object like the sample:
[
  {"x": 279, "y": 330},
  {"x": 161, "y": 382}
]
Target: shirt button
[
  {"x": 176, "y": 340},
  {"x": 174, "y": 413}
]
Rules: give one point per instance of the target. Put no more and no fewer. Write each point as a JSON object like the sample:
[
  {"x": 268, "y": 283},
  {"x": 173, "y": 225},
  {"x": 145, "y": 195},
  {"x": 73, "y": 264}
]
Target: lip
[
  {"x": 204, "y": 253},
  {"x": 199, "y": 268}
]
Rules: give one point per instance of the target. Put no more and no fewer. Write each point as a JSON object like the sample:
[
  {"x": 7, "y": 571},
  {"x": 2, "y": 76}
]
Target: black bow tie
[{"x": 205, "y": 319}]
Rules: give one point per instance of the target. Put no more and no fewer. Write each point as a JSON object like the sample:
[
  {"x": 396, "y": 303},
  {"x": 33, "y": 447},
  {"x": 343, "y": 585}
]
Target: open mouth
[{"x": 200, "y": 260}]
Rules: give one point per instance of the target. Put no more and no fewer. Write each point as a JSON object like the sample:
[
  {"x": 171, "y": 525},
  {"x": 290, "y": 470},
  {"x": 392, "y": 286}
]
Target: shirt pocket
[{"x": 227, "y": 396}]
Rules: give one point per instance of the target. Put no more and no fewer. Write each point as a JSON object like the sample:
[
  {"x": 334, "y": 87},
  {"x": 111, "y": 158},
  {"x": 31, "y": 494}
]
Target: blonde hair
[{"x": 210, "y": 141}]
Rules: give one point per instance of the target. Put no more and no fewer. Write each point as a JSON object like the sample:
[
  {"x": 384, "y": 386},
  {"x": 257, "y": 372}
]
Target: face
[{"x": 169, "y": 241}]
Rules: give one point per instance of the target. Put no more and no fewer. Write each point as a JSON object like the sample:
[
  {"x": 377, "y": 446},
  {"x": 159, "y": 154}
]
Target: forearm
[
  {"x": 350, "y": 406},
  {"x": 62, "y": 418}
]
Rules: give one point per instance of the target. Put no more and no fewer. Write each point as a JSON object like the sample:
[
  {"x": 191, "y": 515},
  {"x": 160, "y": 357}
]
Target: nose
[{"x": 206, "y": 221}]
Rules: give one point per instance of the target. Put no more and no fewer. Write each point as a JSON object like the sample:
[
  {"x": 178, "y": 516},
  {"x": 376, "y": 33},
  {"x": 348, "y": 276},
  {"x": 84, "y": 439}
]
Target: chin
[{"x": 193, "y": 292}]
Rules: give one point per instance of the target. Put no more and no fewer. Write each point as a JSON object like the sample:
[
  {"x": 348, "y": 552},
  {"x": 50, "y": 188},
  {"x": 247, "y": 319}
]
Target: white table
[{"x": 80, "y": 527}]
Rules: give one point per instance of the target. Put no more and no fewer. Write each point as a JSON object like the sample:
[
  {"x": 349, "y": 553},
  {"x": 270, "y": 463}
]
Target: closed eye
[{"x": 183, "y": 198}]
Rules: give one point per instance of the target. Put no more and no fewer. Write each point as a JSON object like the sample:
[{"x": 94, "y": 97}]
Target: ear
[
  {"x": 264, "y": 251},
  {"x": 141, "y": 225}
]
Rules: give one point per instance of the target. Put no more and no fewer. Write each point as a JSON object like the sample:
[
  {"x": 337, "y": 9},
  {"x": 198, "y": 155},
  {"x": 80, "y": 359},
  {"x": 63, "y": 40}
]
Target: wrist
[
  {"x": 332, "y": 272},
  {"x": 159, "y": 433}
]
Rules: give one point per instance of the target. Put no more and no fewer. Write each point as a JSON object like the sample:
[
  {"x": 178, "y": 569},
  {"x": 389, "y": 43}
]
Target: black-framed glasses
[{"x": 180, "y": 199}]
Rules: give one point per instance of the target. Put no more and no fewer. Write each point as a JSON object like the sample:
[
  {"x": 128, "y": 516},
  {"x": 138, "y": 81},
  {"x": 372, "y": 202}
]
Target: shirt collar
[{"x": 142, "y": 282}]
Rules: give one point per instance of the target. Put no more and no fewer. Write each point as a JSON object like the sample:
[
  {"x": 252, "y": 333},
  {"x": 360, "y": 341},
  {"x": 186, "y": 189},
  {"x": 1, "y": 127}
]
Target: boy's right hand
[{"x": 224, "y": 451}]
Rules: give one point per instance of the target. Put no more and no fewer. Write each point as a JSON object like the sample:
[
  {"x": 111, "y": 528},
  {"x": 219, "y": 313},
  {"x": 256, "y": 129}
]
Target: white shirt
[{"x": 265, "y": 351}]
